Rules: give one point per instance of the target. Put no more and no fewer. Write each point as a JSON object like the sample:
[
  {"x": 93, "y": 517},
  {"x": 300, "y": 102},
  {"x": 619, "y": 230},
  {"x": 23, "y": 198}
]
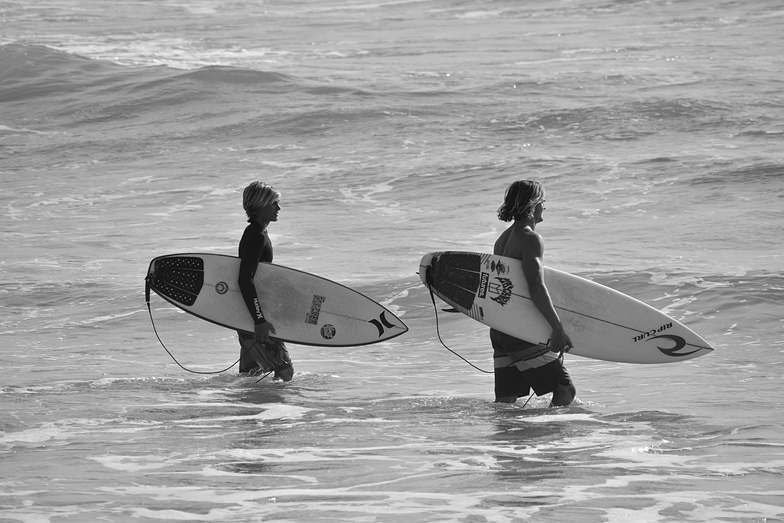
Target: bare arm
[{"x": 533, "y": 268}]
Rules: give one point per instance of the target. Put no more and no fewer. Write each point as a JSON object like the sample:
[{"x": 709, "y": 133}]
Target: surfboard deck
[
  {"x": 304, "y": 308},
  {"x": 602, "y": 323}
]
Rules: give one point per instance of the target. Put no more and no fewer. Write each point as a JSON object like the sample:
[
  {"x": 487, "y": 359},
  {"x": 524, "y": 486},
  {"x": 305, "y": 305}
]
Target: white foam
[
  {"x": 305, "y": 455},
  {"x": 141, "y": 49},
  {"x": 46, "y": 432},
  {"x": 392, "y": 306},
  {"x": 547, "y": 418},
  {"x": 132, "y": 463},
  {"x": 274, "y": 411},
  {"x": 211, "y": 471},
  {"x": 282, "y": 411},
  {"x": 476, "y": 15},
  {"x": 15, "y": 130}
]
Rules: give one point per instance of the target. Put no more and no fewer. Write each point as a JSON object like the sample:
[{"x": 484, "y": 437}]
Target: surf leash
[
  {"x": 262, "y": 376},
  {"x": 149, "y": 310},
  {"x": 438, "y": 332},
  {"x": 438, "y": 329}
]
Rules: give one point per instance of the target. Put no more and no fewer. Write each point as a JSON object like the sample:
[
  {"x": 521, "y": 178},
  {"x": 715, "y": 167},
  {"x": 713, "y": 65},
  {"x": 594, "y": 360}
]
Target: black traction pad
[
  {"x": 178, "y": 278},
  {"x": 455, "y": 277}
]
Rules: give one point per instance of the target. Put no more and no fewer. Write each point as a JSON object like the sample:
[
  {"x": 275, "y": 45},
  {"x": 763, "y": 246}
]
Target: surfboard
[
  {"x": 304, "y": 308},
  {"x": 602, "y": 323}
]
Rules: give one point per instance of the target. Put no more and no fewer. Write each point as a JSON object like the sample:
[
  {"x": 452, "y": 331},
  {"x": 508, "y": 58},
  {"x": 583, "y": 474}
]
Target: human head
[
  {"x": 258, "y": 196},
  {"x": 521, "y": 200}
]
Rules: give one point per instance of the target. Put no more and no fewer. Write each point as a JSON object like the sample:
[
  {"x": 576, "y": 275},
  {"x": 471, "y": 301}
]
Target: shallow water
[{"x": 392, "y": 130}]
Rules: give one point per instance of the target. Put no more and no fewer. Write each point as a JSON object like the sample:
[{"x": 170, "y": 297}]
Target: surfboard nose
[
  {"x": 389, "y": 325},
  {"x": 700, "y": 344}
]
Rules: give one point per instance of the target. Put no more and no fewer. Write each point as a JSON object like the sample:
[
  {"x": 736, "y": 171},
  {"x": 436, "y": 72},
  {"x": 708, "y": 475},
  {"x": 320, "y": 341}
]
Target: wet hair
[
  {"x": 256, "y": 195},
  {"x": 520, "y": 200}
]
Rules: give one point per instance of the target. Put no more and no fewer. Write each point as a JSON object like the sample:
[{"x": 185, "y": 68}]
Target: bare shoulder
[
  {"x": 517, "y": 242},
  {"x": 500, "y": 244},
  {"x": 533, "y": 241}
]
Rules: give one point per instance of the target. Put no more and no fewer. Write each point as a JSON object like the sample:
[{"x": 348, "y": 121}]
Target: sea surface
[{"x": 392, "y": 128}]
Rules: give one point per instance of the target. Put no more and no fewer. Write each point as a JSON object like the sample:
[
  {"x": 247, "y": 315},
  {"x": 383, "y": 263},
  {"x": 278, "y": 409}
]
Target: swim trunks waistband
[{"x": 528, "y": 358}]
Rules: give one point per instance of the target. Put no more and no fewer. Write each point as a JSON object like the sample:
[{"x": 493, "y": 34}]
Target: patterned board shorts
[
  {"x": 521, "y": 366},
  {"x": 510, "y": 381},
  {"x": 271, "y": 356}
]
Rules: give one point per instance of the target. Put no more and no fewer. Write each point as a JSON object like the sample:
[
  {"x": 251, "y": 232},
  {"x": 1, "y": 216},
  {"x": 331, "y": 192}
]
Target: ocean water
[{"x": 392, "y": 128}]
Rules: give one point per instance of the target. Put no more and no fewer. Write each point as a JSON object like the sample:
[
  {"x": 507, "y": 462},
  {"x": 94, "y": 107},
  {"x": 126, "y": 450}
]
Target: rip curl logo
[
  {"x": 678, "y": 342},
  {"x": 502, "y": 290},
  {"x": 315, "y": 310},
  {"x": 221, "y": 287},
  {"x": 653, "y": 332}
]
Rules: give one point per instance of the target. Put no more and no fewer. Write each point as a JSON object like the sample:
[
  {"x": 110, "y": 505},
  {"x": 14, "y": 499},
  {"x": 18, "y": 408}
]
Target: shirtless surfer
[{"x": 520, "y": 365}]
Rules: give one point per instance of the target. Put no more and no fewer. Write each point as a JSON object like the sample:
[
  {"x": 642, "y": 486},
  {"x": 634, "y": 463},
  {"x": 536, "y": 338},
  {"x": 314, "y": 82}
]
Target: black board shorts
[
  {"x": 512, "y": 382},
  {"x": 515, "y": 373}
]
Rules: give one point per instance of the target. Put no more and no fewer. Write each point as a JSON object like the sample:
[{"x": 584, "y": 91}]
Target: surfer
[
  {"x": 259, "y": 352},
  {"x": 520, "y": 365}
]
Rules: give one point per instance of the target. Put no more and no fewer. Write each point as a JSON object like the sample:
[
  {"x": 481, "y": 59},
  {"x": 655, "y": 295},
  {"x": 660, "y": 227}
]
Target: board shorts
[
  {"x": 265, "y": 357},
  {"x": 521, "y": 366}
]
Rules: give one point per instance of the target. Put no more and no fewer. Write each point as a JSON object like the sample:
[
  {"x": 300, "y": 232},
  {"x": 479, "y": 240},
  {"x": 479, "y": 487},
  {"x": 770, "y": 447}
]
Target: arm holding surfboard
[
  {"x": 533, "y": 269},
  {"x": 250, "y": 254}
]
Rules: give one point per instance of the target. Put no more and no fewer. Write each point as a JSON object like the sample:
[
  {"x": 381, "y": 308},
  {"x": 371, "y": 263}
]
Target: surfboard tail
[{"x": 178, "y": 279}]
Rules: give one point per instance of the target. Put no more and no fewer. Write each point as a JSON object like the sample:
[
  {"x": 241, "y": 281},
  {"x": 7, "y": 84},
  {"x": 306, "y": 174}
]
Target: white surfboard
[
  {"x": 602, "y": 323},
  {"x": 304, "y": 308}
]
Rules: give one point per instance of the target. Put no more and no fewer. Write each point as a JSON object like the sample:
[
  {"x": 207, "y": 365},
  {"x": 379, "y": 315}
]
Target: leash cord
[
  {"x": 175, "y": 359},
  {"x": 435, "y": 308},
  {"x": 438, "y": 332}
]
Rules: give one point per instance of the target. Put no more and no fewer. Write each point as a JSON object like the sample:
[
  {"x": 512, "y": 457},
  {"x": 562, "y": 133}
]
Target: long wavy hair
[{"x": 520, "y": 200}]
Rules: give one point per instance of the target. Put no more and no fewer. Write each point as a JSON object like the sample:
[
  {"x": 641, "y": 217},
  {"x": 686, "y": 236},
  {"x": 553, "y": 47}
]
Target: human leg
[
  {"x": 554, "y": 378},
  {"x": 257, "y": 357},
  {"x": 510, "y": 384},
  {"x": 281, "y": 361},
  {"x": 248, "y": 351},
  {"x": 565, "y": 390},
  {"x": 510, "y": 381}
]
